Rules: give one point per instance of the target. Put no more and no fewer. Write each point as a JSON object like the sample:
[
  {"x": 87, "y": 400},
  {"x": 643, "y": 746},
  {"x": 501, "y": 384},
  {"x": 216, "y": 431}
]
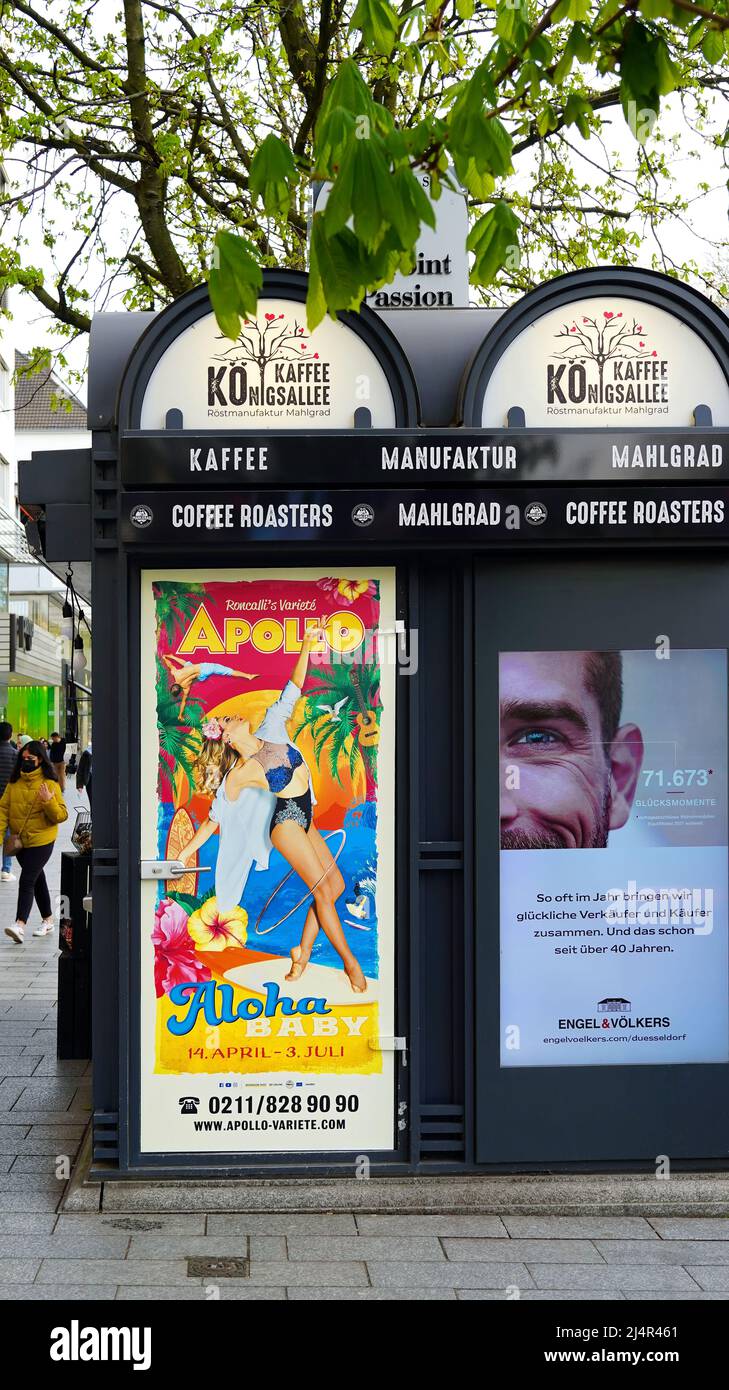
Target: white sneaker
[
  {"x": 16, "y": 933},
  {"x": 7, "y": 877},
  {"x": 45, "y": 929}
]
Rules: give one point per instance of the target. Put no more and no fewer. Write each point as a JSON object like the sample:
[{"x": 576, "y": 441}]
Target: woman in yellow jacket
[{"x": 32, "y": 807}]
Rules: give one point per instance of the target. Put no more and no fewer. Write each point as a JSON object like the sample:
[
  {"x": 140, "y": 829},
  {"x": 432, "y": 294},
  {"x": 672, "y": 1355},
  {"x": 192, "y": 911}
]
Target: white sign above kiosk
[
  {"x": 275, "y": 375},
  {"x": 620, "y": 354},
  {"x": 439, "y": 278}
]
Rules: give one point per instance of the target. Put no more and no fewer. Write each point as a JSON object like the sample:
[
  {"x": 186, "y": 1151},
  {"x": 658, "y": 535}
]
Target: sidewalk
[{"x": 45, "y": 1105}]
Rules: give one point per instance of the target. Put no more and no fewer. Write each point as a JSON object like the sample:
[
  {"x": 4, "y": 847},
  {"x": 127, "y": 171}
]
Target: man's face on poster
[{"x": 568, "y": 772}]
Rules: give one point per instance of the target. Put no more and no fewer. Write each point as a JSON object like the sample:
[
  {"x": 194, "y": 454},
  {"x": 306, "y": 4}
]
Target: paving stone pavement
[{"x": 46, "y": 1254}]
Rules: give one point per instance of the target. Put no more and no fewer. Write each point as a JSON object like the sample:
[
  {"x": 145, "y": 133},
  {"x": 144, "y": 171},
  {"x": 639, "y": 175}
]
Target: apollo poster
[
  {"x": 267, "y": 769},
  {"x": 614, "y": 857}
]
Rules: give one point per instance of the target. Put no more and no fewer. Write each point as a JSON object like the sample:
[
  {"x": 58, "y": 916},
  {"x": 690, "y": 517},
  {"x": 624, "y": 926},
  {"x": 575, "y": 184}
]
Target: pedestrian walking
[
  {"x": 57, "y": 755},
  {"x": 8, "y": 755},
  {"x": 83, "y": 772},
  {"x": 31, "y": 810}
]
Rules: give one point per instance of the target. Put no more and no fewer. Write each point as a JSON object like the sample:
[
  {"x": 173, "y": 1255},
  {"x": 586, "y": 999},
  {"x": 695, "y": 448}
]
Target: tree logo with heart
[
  {"x": 592, "y": 352},
  {"x": 272, "y": 350}
]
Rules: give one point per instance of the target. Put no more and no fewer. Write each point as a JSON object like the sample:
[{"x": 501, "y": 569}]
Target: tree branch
[{"x": 150, "y": 191}]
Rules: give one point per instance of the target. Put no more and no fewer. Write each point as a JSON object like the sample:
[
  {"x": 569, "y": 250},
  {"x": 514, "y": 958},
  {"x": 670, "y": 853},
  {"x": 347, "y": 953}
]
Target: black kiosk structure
[{"x": 535, "y": 507}]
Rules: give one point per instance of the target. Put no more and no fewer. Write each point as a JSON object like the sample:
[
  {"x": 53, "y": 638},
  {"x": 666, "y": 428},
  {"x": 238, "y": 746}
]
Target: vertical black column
[
  {"x": 108, "y": 811},
  {"x": 441, "y": 897}
]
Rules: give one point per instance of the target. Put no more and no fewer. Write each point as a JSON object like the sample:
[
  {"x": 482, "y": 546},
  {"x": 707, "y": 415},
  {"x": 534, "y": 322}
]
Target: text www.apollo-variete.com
[{"x": 217, "y": 1125}]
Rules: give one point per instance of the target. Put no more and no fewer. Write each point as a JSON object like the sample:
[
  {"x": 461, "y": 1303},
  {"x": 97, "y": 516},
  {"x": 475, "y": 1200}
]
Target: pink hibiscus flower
[{"x": 175, "y": 961}]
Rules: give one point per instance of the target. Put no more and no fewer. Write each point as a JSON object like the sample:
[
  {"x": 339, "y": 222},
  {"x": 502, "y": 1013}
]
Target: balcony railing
[{"x": 13, "y": 540}]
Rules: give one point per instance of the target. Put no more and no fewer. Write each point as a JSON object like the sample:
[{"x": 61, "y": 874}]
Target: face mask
[{"x": 26, "y": 765}]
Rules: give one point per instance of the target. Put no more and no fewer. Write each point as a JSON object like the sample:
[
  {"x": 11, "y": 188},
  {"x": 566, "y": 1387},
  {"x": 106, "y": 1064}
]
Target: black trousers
[{"x": 33, "y": 881}]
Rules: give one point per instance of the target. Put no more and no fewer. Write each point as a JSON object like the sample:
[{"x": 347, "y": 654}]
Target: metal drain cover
[{"x": 225, "y": 1267}]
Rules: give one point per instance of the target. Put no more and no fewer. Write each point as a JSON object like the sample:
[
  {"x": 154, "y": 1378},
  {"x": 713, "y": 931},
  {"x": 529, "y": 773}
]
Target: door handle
[{"x": 169, "y": 868}]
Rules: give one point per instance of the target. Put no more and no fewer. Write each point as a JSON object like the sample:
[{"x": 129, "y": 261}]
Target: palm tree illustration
[
  {"x": 260, "y": 346},
  {"x": 175, "y": 608},
  {"x": 602, "y": 342},
  {"x": 337, "y": 735},
  {"x": 179, "y": 744}
]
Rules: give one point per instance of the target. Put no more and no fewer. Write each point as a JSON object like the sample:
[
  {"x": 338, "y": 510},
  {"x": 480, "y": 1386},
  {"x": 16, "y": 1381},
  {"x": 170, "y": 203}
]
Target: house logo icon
[{"x": 614, "y": 1006}]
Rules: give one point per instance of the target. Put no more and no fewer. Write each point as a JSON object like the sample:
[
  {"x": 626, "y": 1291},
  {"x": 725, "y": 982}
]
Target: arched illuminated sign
[
  {"x": 602, "y": 348},
  {"x": 276, "y": 375}
]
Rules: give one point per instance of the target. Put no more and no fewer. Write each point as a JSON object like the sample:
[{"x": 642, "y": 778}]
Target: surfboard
[{"x": 181, "y": 832}]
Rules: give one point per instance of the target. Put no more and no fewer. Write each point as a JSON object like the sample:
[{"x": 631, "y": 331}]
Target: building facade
[{"x": 33, "y": 649}]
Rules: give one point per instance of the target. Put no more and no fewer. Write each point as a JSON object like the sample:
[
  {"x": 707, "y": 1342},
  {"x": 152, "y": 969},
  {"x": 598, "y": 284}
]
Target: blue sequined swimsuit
[{"x": 279, "y": 762}]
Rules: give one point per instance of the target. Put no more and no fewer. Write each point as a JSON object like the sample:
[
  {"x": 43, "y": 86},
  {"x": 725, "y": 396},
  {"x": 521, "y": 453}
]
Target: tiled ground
[
  {"x": 44, "y": 1106},
  {"x": 333, "y": 1257},
  {"x": 44, "y": 1103}
]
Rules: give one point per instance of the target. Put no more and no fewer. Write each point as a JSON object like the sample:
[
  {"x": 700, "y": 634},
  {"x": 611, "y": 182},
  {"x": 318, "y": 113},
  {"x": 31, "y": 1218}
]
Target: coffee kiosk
[{"x": 410, "y": 665}]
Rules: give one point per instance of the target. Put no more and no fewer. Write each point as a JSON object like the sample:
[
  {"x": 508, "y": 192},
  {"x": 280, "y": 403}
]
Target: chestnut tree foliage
[{"x": 149, "y": 143}]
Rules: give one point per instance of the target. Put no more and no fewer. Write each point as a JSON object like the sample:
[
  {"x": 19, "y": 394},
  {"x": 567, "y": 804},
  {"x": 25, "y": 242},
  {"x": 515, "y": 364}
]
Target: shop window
[{"x": 34, "y": 607}]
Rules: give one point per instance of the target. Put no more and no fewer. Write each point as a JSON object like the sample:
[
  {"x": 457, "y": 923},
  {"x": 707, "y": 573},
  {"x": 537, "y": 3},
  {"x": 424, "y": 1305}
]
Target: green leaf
[
  {"x": 474, "y": 135},
  {"x": 696, "y": 35},
  {"x": 547, "y": 120},
  {"x": 492, "y": 239},
  {"x": 712, "y": 46},
  {"x": 506, "y": 23},
  {"x": 563, "y": 67},
  {"x": 333, "y": 133},
  {"x": 362, "y": 193},
  {"x": 378, "y": 24},
  {"x": 540, "y": 50},
  {"x": 607, "y": 12},
  {"x": 234, "y": 283},
  {"x": 577, "y": 112},
  {"x": 479, "y": 185},
  {"x": 338, "y": 208},
  {"x": 656, "y": 9},
  {"x": 465, "y": 8},
  {"x": 580, "y": 44},
  {"x": 646, "y": 72},
  {"x": 337, "y": 274},
  {"x": 272, "y": 174},
  {"x": 347, "y": 90},
  {"x": 668, "y": 74},
  {"x": 372, "y": 196},
  {"x": 409, "y": 206}
]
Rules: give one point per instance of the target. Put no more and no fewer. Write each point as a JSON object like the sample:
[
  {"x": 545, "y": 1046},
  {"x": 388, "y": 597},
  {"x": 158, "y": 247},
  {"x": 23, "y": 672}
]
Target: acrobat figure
[{"x": 185, "y": 674}]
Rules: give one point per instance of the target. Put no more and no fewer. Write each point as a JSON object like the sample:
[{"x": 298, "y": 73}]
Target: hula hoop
[{"x": 263, "y": 931}]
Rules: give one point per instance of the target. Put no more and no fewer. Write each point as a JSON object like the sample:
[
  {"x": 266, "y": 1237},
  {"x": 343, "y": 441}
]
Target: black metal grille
[
  {"x": 442, "y": 1132},
  {"x": 106, "y": 1135}
]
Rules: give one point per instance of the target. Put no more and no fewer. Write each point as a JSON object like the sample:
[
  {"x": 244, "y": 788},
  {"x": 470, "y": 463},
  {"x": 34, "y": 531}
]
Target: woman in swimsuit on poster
[
  {"x": 185, "y": 673},
  {"x": 266, "y": 764}
]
